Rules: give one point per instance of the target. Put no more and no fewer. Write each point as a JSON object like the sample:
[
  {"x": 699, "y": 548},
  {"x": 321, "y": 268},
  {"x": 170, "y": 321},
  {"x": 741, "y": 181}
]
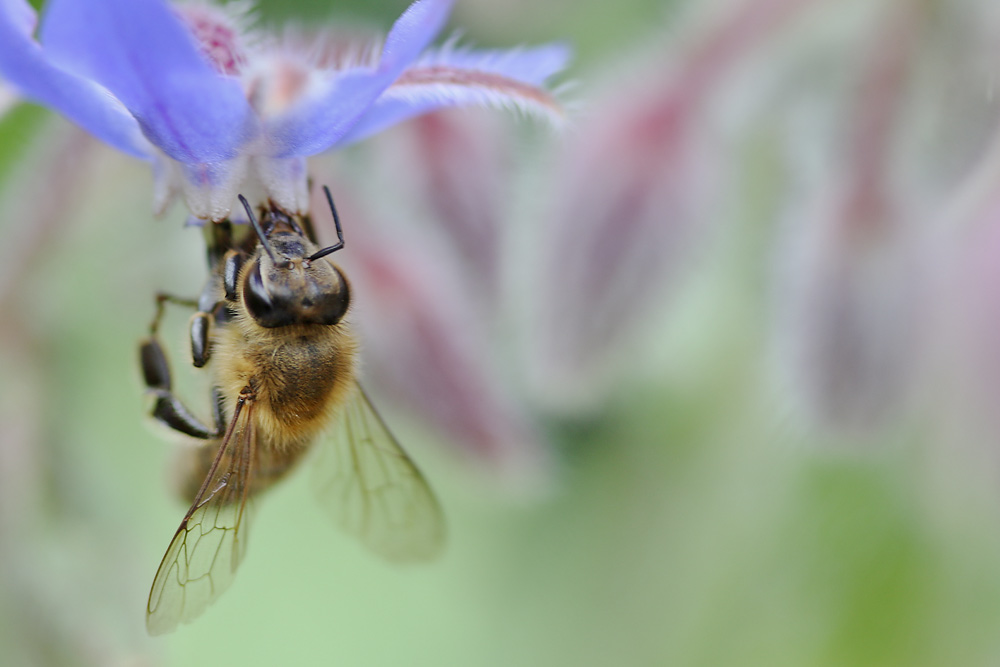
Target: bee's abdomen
[{"x": 270, "y": 465}]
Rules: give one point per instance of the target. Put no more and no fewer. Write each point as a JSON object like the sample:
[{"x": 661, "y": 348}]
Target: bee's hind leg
[{"x": 168, "y": 409}]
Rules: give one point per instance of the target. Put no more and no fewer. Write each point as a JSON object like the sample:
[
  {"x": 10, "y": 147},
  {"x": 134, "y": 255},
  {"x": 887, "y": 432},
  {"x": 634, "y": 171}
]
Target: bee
[{"x": 270, "y": 329}]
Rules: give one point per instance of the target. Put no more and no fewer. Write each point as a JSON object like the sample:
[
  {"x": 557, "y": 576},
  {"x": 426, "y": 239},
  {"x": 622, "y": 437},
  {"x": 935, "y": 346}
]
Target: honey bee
[{"x": 270, "y": 328}]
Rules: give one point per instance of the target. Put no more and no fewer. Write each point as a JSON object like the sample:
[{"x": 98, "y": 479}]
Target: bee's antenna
[
  {"x": 340, "y": 234},
  {"x": 260, "y": 233}
]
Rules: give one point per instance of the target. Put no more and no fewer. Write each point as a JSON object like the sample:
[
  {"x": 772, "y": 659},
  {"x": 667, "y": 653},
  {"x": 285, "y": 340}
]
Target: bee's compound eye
[
  {"x": 263, "y": 308},
  {"x": 333, "y": 303}
]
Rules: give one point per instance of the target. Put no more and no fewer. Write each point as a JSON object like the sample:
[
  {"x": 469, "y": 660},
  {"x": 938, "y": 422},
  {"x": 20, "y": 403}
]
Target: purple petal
[
  {"x": 24, "y": 65},
  {"x": 413, "y": 32},
  {"x": 322, "y": 119},
  {"x": 451, "y": 78},
  {"x": 211, "y": 187},
  {"x": 143, "y": 54}
]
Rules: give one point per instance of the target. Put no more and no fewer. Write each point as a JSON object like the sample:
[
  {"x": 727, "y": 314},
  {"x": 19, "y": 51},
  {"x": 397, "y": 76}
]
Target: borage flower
[{"x": 219, "y": 113}]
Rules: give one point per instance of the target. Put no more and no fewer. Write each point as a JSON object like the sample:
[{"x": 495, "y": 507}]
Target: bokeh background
[{"x": 708, "y": 376}]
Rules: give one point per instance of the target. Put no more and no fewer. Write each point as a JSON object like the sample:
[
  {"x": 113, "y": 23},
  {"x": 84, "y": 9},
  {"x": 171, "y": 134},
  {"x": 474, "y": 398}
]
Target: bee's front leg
[{"x": 210, "y": 307}]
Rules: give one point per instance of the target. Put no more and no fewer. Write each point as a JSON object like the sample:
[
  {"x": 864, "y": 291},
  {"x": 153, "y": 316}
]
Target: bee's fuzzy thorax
[{"x": 296, "y": 373}]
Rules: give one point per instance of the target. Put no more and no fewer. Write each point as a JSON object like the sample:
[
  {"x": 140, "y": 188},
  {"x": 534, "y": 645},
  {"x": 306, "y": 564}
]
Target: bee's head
[{"x": 289, "y": 282}]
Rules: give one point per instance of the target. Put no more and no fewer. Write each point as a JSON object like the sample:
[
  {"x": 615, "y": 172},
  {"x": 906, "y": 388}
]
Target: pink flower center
[{"x": 217, "y": 37}]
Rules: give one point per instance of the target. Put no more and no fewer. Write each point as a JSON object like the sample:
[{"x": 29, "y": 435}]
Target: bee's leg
[
  {"x": 233, "y": 262},
  {"x": 219, "y": 411},
  {"x": 168, "y": 409},
  {"x": 200, "y": 322},
  {"x": 161, "y": 299},
  {"x": 218, "y": 240},
  {"x": 209, "y": 309}
]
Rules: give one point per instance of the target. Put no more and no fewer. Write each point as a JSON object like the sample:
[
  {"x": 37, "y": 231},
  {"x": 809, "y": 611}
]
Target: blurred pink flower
[
  {"x": 975, "y": 349},
  {"x": 852, "y": 321},
  {"x": 498, "y": 316},
  {"x": 628, "y": 198},
  {"x": 462, "y": 186},
  {"x": 631, "y": 200},
  {"x": 43, "y": 525},
  {"x": 969, "y": 312},
  {"x": 428, "y": 340}
]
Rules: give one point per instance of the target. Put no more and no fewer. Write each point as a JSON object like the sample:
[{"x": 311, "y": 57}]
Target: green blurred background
[{"x": 690, "y": 523}]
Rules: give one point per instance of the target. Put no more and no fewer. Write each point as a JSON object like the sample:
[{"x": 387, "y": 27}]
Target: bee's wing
[
  {"x": 210, "y": 544},
  {"x": 374, "y": 490}
]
